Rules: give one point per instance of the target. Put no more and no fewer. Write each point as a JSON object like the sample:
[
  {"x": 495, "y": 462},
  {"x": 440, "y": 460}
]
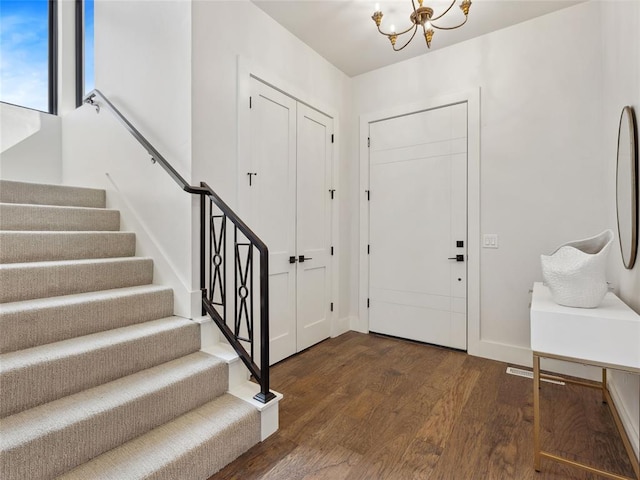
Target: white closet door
[
  {"x": 418, "y": 213},
  {"x": 313, "y": 226},
  {"x": 290, "y": 209},
  {"x": 272, "y": 212}
]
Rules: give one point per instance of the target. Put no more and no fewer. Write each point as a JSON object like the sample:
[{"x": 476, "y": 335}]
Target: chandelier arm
[
  {"x": 415, "y": 29},
  {"x": 397, "y": 34},
  {"x": 433, "y": 19},
  {"x": 451, "y": 28}
]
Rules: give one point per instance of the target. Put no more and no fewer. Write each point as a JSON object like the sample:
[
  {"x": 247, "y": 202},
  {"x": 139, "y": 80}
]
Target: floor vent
[{"x": 529, "y": 374}]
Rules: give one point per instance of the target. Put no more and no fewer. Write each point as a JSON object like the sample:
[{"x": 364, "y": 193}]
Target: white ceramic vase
[{"x": 575, "y": 272}]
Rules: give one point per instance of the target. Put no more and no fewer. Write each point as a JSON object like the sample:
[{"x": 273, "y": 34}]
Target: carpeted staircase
[{"x": 98, "y": 379}]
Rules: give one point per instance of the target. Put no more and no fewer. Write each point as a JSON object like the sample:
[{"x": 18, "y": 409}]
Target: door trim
[{"x": 472, "y": 98}]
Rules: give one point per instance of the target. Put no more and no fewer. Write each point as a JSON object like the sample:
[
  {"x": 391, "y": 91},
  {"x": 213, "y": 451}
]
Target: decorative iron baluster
[
  {"x": 243, "y": 275},
  {"x": 217, "y": 247}
]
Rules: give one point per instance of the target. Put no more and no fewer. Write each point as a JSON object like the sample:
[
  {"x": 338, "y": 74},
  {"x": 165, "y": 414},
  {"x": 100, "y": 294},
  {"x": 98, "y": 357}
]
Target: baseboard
[
  {"x": 523, "y": 356},
  {"x": 631, "y": 427},
  {"x": 358, "y": 325},
  {"x": 340, "y": 326}
]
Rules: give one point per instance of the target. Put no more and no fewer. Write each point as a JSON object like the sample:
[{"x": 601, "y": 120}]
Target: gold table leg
[
  {"x": 536, "y": 412},
  {"x": 606, "y": 398}
]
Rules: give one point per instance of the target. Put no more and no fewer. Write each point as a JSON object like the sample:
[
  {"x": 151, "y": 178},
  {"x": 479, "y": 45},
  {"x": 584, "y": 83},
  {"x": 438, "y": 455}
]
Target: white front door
[
  {"x": 288, "y": 187},
  {"x": 418, "y": 226}
]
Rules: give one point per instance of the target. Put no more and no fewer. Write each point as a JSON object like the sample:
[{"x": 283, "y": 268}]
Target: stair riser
[
  {"x": 34, "y": 217},
  {"x": 20, "y": 192},
  {"x": 27, "y": 386},
  {"x": 49, "y": 246},
  {"x": 24, "y": 281},
  {"x": 57, "y": 451},
  {"x": 30, "y": 327}
]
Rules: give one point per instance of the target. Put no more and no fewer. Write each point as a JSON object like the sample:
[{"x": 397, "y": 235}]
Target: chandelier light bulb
[
  {"x": 392, "y": 28},
  {"x": 377, "y": 7}
]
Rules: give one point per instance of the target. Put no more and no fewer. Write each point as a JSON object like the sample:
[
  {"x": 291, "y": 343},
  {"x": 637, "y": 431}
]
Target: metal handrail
[{"x": 261, "y": 374}]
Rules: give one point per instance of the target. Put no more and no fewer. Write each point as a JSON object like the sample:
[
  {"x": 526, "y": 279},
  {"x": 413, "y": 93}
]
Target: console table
[{"x": 607, "y": 337}]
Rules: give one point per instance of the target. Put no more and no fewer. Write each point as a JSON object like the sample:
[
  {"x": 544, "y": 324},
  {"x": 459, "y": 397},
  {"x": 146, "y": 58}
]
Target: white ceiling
[{"x": 343, "y": 32}]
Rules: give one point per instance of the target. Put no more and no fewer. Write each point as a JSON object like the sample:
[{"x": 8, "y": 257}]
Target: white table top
[{"x": 606, "y": 336}]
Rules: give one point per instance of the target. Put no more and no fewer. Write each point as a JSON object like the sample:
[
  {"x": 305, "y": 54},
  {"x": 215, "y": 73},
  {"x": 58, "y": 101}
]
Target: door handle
[
  {"x": 292, "y": 259},
  {"x": 457, "y": 258},
  {"x": 302, "y": 258}
]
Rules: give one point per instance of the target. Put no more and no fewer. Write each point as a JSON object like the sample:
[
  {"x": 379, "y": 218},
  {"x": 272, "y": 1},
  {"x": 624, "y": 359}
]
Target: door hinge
[
  {"x": 368, "y": 195},
  {"x": 369, "y": 142},
  {"x": 331, "y": 251},
  {"x": 368, "y": 249},
  {"x": 332, "y": 306},
  {"x": 332, "y": 191},
  {"x": 249, "y": 103},
  {"x": 332, "y": 138},
  {"x": 368, "y": 303}
]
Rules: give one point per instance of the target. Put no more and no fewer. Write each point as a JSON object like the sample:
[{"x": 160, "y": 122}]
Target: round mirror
[{"x": 627, "y": 187}]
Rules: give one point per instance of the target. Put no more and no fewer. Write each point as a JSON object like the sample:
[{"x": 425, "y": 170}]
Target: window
[
  {"x": 85, "y": 79},
  {"x": 28, "y": 53}
]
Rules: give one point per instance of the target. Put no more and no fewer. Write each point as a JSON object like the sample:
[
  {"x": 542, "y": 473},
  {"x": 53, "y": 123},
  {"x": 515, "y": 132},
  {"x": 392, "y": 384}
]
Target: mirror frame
[{"x": 628, "y": 167}]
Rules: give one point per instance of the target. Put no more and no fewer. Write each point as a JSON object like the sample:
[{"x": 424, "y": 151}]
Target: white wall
[
  {"x": 621, "y": 86},
  {"x": 222, "y": 31},
  {"x": 540, "y": 168},
  {"x": 143, "y": 65},
  {"x": 30, "y": 145},
  {"x": 171, "y": 67}
]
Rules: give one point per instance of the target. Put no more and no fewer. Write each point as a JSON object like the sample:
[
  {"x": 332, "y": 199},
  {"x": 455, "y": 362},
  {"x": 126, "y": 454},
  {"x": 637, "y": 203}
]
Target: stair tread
[
  {"x": 12, "y": 191},
  {"x": 76, "y": 298},
  {"x": 24, "y": 281},
  {"x": 56, "y": 208},
  {"x": 24, "y": 216},
  {"x": 33, "y": 246},
  {"x": 27, "y": 425},
  {"x": 29, "y": 323},
  {"x": 62, "y": 208},
  {"x": 167, "y": 446},
  {"x": 95, "y": 341},
  {"x": 65, "y": 232},
  {"x": 80, "y": 261}
]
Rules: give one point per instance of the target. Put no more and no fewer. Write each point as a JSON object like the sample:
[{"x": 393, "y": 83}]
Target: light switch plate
[{"x": 490, "y": 240}]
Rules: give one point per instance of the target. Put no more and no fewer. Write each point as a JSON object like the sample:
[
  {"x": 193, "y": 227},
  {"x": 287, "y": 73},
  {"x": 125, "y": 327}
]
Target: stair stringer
[
  {"x": 239, "y": 384},
  {"x": 187, "y": 301}
]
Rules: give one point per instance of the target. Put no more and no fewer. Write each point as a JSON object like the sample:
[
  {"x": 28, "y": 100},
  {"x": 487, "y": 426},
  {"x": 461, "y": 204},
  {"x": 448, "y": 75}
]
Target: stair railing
[{"x": 215, "y": 216}]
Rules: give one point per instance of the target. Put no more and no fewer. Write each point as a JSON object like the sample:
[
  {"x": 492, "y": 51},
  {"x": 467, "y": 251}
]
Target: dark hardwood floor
[{"x": 369, "y": 407}]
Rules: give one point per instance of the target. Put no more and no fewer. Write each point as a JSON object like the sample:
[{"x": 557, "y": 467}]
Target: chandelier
[{"x": 421, "y": 17}]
